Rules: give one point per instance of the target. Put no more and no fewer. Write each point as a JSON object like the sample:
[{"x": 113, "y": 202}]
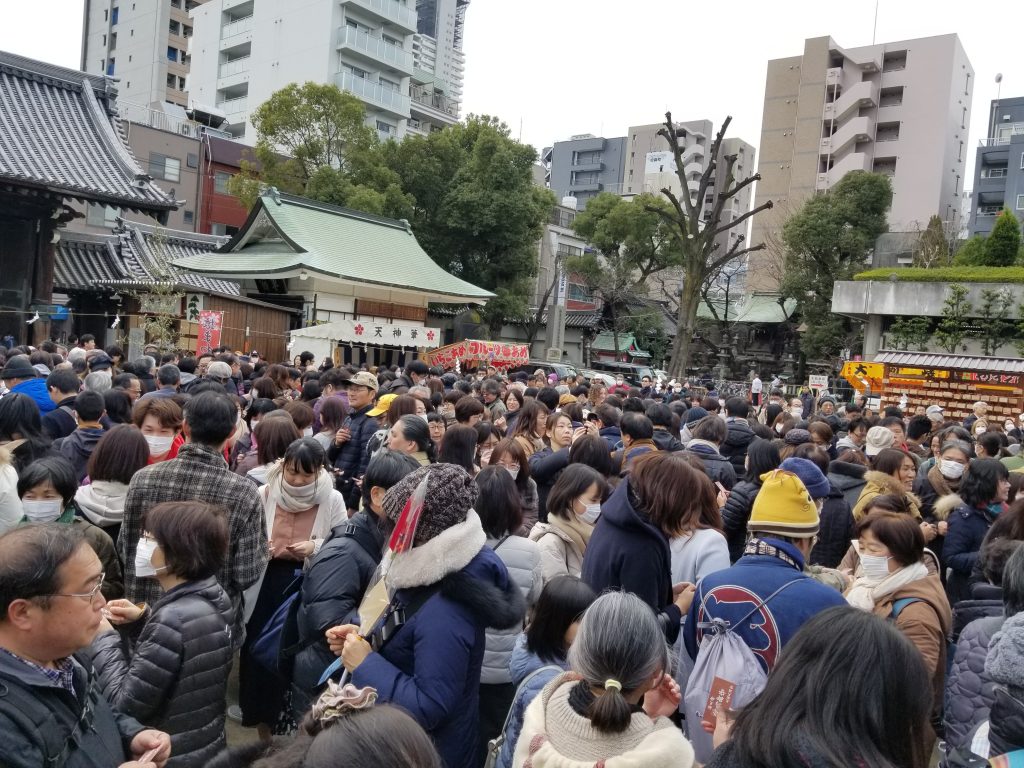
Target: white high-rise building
[
  {"x": 242, "y": 52},
  {"x": 144, "y": 45},
  {"x": 438, "y": 66}
]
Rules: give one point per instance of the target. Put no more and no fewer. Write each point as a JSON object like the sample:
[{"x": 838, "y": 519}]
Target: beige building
[
  {"x": 899, "y": 108},
  {"x": 144, "y": 45}
]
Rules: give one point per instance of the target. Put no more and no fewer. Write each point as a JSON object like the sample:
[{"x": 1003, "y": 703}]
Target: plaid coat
[{"x": 199, "y": 473}]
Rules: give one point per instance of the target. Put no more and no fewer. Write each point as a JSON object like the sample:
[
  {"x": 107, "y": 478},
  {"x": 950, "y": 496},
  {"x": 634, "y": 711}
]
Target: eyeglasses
[{"x": 90, "y": 595}]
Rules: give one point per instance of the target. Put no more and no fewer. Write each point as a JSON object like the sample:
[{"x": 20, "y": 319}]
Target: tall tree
[
  {"x": 971, "y": 253},
  {"x": 829, "y": 239},
  {"x": 994, "y": 327},
  {"x": 952, "y": 327},
  {"x": 935, "y": 246},
  {"x": 633, "y": 243},
  {"x": 697, "y": 236},
  {"x": 1003, "y": 243}
]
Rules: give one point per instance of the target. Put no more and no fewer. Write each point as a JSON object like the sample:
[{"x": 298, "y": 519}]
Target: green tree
[
  {"x": 829, "y": 239},
  {"x": 633, "y": 243},
  {"x": 952, "y": 327},
  {"x": 699, "y": 235},
  {"x": 1003, "y": 243},
  {"x": 994, "y": 328},
  {"x": 475, "y": 208},
  {"x": 934, "y": 248},
  {"x": 908, "y": 332},
  {"x": 971, "y": 253}
]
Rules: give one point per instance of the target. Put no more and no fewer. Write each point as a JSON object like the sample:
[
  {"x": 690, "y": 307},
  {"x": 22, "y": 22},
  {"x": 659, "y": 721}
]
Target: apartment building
[
  {"x": 438, "y": 65},
  {"x": 901, "y": 108},
  {"x": 999, "y": 167},
  {"x": 143, "y": 44},
  {"x": 584, "y": 166}
]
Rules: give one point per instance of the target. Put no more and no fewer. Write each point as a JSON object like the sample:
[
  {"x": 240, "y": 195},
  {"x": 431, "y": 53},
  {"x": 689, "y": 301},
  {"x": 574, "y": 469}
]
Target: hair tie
[{"x": 612, "y": 685}]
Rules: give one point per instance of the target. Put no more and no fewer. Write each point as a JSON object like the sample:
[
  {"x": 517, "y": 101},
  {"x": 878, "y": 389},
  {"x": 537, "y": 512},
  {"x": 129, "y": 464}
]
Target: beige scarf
[{"x": 864, "y": 593}]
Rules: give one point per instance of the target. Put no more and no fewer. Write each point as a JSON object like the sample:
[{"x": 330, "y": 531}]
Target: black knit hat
[{"x": 451, "y": 493}]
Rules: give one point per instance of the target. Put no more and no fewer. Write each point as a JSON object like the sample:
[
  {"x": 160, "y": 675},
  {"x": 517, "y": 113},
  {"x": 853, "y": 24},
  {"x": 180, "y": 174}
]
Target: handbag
[
  {"x": 275, "y": 647},
  {"x": 494, "y": 745}
]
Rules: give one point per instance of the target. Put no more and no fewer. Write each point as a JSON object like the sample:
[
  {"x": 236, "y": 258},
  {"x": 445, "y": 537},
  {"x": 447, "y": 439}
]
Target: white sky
[{"x": 561, "y": 67}]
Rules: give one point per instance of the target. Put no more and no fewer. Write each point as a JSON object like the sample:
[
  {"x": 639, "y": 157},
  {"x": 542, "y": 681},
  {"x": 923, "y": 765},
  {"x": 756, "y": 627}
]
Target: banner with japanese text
[
  {"x": 495, "y": 353},
  {"x": 210, "y": 325},
  {"x": 390, "y": 334}
]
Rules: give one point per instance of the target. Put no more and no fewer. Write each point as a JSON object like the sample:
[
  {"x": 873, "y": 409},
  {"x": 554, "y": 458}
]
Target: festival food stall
[
  {"x": 470, "y": 353},
  {"x": 955, "y": 382}
]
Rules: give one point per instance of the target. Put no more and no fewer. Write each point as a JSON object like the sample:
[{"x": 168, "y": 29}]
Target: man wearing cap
[
  {"x": 20, "y": 377},
  {"x": 348, "y": 454},
  {"x": 935, "y": 415},
  {"x": 220, "y": 372},
  {"x": 980, "y": 409},
  {"x": 766, "y": 596},
  {"x": 879, "y": 438}
]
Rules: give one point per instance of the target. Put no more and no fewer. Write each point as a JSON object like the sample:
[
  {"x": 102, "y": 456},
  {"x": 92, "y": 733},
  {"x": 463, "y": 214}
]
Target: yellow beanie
[{"x": 784, "y": 507}]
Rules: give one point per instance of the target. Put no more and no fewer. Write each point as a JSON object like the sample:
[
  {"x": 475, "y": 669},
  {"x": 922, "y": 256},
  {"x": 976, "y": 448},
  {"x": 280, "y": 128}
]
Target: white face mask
[
  {"x": 874, "y": 567},
  {"x": 779, "y": 427},
  {"x": 158, "y": 446},
  {"x": 951, "y": 469},
  {"x": 424, "y": 417},
  {"x": 1008, "y": 426},
  {"x": 980, "y": 430},
  {"x": 514, "y": 471},
  {"x": 42, "y": 510},
  {"x": 144, "y": 558},
  {"x": 590, "y": 513},
  {"x": 797, "y": 413}
]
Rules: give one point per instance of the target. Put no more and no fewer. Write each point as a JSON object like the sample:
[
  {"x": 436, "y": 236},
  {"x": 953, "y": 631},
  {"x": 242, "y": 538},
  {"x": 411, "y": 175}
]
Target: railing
[
  {"x": 376, "y": 47},
  {"x": 375, "y": 93},
  {"x": 140, "y": 115},
  {"x": 437, "y": 101},
  {"x": 994, "y": 173},
  {"x": 243, "y": 24},
  {"x": 232, "y": 106},
  {"x": 234, "y": 66},
  {"x": 392, "y": 10}
]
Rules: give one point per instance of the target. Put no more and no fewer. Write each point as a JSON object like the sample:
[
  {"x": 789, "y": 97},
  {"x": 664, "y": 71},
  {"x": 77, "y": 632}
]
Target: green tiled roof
[
  {"x": 753, "y": 308},
  {"x": 285, "y": 234},
  {"x": 605, "y": 342}
]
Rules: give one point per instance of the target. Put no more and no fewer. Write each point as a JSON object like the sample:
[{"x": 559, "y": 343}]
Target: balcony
[
  {"x": 378, "y": 50},
  {"x": 236, "y": 110},
  {"x": 373, "y": 93},
  {"x": 834, "y": 76},
  {"x": 693, "y": 151},
  {"x": 855, "y": 161},
  {"x": 234, "y": 67},
  {"x": 587, "y": 165},
  {"x": 862, "y": 94},
  {"x": 445, "y": 109},
  {"x": 857, "y": 129},
  {"x": 230, "y": 34},
  {"x": 392, "y": 11},
  {"x": 586, "y": 186}
]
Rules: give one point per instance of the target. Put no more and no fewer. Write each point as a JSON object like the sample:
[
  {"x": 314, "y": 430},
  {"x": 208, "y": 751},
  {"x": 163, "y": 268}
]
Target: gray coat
[
  {"x": 522, "y": 559},
  {"x": 176, "y": 678},
  {"x": 969, "y": 691}
]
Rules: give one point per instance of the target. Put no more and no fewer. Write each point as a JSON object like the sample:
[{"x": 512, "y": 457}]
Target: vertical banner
[{"x": 210, "y": 324}]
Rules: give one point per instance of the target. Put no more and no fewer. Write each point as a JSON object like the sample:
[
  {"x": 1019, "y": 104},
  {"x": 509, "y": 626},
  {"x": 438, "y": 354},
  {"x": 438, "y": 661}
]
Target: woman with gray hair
[{"x": 612, "y": 707}]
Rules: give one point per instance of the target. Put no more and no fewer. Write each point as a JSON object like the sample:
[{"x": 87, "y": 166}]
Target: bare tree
[{"x": 698, "y": 237}]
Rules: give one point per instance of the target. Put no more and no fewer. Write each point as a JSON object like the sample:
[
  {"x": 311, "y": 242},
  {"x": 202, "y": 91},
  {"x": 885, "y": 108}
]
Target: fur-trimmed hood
[
  {"x": 887, "y": 484},
  {"x": 448, "y": 552},
  {"x": 945, "y": 505}
]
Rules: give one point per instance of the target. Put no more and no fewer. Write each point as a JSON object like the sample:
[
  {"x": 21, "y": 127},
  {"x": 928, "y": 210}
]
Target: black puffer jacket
[
  {"x": 351, "y": 457},
  {"x": 737, "y": 441},
  {"x": 334, "y": 584},
  {"x": 177, "y": 676},
  {"x": 716, "y": 466},
  {"x": 969, "y": 691},
  {"x": 736, "y": 514},
  {"x": 848, "y": 478},
  {"x": 835, "y": 531},
  {"x": 666, "y": 441}
]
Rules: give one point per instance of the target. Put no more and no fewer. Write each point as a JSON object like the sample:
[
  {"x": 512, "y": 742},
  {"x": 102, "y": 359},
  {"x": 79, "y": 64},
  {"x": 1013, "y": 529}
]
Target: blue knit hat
[
  {"x": 816, "y": 483},
  {"x": 695, "y": 414}
]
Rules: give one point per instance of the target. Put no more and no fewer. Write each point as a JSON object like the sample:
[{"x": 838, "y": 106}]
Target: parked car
[
  {"x": 591, "y": 375},
  {"x": 561, "y": 370},
  {"x": 631, "y": 372}
]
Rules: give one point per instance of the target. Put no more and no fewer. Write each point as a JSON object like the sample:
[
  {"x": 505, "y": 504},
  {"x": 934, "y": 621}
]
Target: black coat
[
  {"x": 736, "y": 443},
  {"x": 351, "y": 457},
  {"x": 545, "y": 467},
  {"x": 1006, "y": 722},
  {"x": 969, "y": 691},
  {"x": 176, "y": 678},
  {"x": 666, "y": 441},
  {"x": 334, "y": 584},
  {"x": 60, "y": 422},
  {"x": 736, "y": 514},
  {"x": 716, "y": 466},
  {"x": 835, "y": 531},
  {"x": 848, "y": 478},
  {"x": 36, "y": 715}
]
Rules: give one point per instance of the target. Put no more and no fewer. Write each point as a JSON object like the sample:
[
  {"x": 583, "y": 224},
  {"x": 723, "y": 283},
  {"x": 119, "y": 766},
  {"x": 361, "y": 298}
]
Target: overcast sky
[{"x": 562, "y": 67}]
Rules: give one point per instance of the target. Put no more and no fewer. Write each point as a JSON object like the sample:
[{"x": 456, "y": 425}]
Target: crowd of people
[{"x": 422, "y": 568}]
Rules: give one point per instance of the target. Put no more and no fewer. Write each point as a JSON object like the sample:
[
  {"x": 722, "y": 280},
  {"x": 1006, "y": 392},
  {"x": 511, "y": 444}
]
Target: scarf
[
  {"x": 865, "y": 593},
  {"x": 762, "y": 547},
  {"x": 576, "y": 530},
  {"x": 279, "y": 496},
  {"x": 942, "y": 484},
  {"x": 706, "y": 443}
]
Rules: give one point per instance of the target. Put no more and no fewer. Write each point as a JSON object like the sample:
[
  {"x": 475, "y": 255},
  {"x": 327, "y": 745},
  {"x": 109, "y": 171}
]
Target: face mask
[
  {"x": 42, "y": 510},
  {"x": 874, "y": 567},
  {"x": 980, "y": 430},
  {"x": 158, "y": 446},
  {"x": 590, "y": 513},
  {"x": 1008, "y": 426},
  {"x": 424, "y": 417},
  {"x": 951, "y": 469},
  {"x": 514, "y": 471},
  {"x": 797, "y": 413},
  {"x": 485, "y": 456},
  {"x": 779, "y": 427},
  {"x": 307, "y": 432},
  {"x": 144, "y": 558}
]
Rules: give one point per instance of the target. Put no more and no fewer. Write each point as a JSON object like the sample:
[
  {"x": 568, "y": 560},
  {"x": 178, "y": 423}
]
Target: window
[
  {"x": 101, "y": 215},
  {"x": 960, "y": 152},
  {"x": 963, "y": 117},
  {"x": 175, "y": 28},
  {"x": 110, "y": 67},
  {"x": 220, "y": 182},
  {"x": 385, "y": 127},
  {"x": 104, "y": 41},
  {"x": 891, "y": 97},
  {"x": 163, "y": 167},
  {"x": 391, "y": 85},
  {"x": 190, "y": 217},
  {"x": 113, "y": 15},
  {"x": 1020, "y": 202},
  {"x": 222, "y": 229},
  {"x": 172, "y": 54},
  {"x": 887, "y": 132},
  {"x": 192, "y": 160},
  {"x": 894, "y": 61},
  {"x": 113, "y": 40}
]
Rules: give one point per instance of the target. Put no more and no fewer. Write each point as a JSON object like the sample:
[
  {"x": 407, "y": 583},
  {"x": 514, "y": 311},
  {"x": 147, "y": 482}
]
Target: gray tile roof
[
  {"x": 59, "y": 133},
  {"x": 134, "y": 255},
  {"x": 958, "y": 362}
]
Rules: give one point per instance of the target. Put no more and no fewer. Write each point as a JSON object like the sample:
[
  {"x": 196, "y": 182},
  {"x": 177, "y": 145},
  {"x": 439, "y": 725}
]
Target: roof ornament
[
  {"x": 275, "y": 195},
  {"x": 141, "y": 180},
  {"x": 405, "y": 223}
]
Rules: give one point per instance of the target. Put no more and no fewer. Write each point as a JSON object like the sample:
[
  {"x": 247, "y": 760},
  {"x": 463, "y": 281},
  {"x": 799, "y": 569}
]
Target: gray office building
[
  {"x": 585, "y": 166},
  {"x": 999, "y": 168}
]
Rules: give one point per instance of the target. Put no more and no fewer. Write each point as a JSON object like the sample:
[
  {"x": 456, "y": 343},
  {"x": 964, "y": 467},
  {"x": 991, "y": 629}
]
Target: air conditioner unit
[{"x": 553, "y": 355}]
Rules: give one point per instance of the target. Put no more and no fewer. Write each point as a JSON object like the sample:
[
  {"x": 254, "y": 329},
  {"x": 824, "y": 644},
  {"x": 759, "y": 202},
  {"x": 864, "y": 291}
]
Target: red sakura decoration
[
  {"x": 430, "y": 335},
  {"x": 359, "y": 330}
]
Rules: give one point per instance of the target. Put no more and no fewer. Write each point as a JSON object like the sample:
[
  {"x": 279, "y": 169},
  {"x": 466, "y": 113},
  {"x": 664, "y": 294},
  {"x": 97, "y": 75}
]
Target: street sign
[{"x": 817, "y": 382}]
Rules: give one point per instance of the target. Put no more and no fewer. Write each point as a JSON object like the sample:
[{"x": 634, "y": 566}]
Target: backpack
[
  {"x": 277, "y": 643},
  {"x": 937, "y": 717},
  {"x": 494, "y": 745},
  {"x": 726, "y": 675}
]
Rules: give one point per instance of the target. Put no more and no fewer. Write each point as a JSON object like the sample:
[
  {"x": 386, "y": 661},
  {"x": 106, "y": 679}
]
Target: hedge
[{"x": 946, "y": 274}]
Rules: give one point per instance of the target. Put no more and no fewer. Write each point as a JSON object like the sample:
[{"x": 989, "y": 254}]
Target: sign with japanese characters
[
  {"x": 210, "y": 325},
  {"x": 386, "y": 334},
  {"x": 495, "y": 353}
]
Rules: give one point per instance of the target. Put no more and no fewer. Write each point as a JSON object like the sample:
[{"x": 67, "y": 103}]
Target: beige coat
[
  {"x": 879, "y": 483},
  {"x": 562, "y": 544}
]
